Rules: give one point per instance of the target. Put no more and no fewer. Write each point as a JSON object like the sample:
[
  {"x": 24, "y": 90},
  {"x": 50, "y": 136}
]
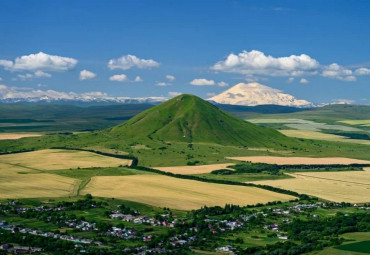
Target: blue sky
[{"x": 314, "y": 50}]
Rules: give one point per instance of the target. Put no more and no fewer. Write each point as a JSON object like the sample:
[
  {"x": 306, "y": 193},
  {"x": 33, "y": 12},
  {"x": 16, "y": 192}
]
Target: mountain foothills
[
  {"x": 185, "y": 130},
  {"x": 257, "y": 94},
  {"x": 189, "y": 119}
]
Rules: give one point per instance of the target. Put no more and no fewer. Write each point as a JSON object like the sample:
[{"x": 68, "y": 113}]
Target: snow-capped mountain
[
  {"x": 252, "y": 94},
  {"x": 24, "y": 95}
]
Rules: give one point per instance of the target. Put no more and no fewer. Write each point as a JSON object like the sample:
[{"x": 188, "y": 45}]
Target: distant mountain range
[
  {"x": 85, "y": 101},
  {"x": 252, "y": 94}
]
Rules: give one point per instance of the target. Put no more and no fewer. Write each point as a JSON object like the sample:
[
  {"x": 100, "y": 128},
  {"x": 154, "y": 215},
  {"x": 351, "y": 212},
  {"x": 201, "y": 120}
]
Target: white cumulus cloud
[
  {"x": 129, "y": 61},
  {"x": 170, "y": 78},
  {"x": 222, "y": 84},
  {"x": 343, "y": 101},
  {"x": 7, "y": 64},
  {"x": 257, "y": 63},
  {"x": 37, "y": 74},
  {"x": 138, "y": 79},
  {"x": 86, "y": 75},
  {"x": 174, "y": 94},
  {"x": 161, "y": 83},
  {"x": 42, "y": 74},
  {"x": 25, "y": 76},
  {"x": 202, "y": 82},
  {"x": 335, "y": 71},
  {"x": 304, "y": 81},
  {"x": 38, "y": 62},
  {"x": 362, "y": 71},
  {"x": 119, "y": 77},
  {"x": 290, "y": 80}
]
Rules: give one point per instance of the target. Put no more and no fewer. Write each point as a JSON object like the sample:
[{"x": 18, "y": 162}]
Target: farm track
[
  {"x": 82, "y": 185},
  {"x": 26, "y": 167},
  {"x": 330, "y": 179}
]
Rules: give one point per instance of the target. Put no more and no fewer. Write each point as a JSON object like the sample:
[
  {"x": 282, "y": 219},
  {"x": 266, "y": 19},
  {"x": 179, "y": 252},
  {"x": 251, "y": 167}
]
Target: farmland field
[
  {"x": 20, "y": 182},
  {"x": 353, "y": 187},
  {"x": 302, "y": 124},
  {"x": 363, "y": 247},
  {"x": 300, "y": 160},
  {"x": 193, "y": 169},
  {"x": 176, "y": 193},
  {"x": 61, "y": 159},
  {"x": 13, "y": 136},
  {"x": 307, "y": 134},
  {"x": 352, "y": 238},
  {"x": 355, "y": 122}
]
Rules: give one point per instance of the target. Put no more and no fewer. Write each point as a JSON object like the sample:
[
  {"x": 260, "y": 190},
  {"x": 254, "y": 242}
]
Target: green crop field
[
  {"x": 363, "y": 247},
  {"x": 353, "y": 240}
]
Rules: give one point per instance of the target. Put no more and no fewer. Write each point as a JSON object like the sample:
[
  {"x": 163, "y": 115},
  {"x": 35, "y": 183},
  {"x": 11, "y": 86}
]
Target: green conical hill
[{"x": 187, "y": 118}]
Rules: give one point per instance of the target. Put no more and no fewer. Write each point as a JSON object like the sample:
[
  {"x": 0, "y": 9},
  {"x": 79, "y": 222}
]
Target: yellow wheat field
[
  {"x": 300, "y": 160},
  {"x": 193, "y": 169},
  {"x": 355, "y": 122},
  {"x": 20, "y": 182},
  {"x": 159, "y": 190},
  {"x": 351, "y": 186},
  {"x": 13, "y": 136},
  {"x": 61, "y": 159}
]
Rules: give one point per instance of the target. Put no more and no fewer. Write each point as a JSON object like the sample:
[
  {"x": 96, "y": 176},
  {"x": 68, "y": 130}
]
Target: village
[{"x": 203, "y": 225}]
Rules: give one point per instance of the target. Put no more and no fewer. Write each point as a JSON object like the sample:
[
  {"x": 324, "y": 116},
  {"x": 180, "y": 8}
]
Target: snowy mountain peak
[{"x": 257, "y": 94}]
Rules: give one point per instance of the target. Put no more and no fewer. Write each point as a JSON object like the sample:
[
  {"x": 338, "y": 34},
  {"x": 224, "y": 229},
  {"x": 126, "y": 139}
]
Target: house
[
  {"x": 6, "y": 247},
  {"x": 282, "y": 237},
  {"x": 117, "y": 216},
  {"x": 226, "y": 248}
]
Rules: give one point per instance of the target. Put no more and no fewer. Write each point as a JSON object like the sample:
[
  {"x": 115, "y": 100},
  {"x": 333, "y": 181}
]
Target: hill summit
[
  {"x": 252, "y": 94},
  {"x": 187, "y": 118}
]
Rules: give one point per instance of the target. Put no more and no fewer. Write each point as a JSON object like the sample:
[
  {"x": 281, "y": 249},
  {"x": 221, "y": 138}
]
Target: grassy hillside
[{"x": 188, "y": 118}]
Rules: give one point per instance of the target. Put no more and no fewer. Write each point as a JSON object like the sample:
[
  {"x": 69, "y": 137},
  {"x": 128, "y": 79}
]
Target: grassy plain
[
  {"x": 300, "y": 160},
  {"x": 164, "y": 191},
  {"x": 353, "y": 187},
  {"x": 20, "y": 182},
  {"x": 52, "y": 159}
]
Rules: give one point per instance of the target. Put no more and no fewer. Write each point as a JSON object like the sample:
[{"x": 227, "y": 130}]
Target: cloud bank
[{"x": 256, "y": 63}]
